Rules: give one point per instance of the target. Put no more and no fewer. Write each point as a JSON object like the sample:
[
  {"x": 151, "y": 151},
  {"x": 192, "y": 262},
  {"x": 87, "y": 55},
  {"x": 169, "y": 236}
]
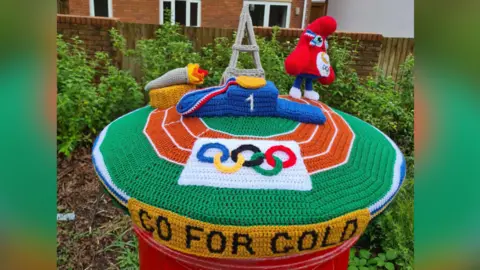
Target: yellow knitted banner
[
  {"x": 224, "y": 241},
  {"x": 167, "y": 97}
]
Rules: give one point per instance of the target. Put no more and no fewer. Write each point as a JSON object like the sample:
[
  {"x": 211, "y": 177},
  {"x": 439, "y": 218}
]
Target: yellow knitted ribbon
[
  {"x": 167, "y": 97},
  {"x": 225, "y": 241}
]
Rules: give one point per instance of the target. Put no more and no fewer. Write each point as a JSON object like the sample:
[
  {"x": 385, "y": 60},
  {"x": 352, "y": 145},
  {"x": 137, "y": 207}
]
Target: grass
[
  {"x": 101, "y": 235},
  {"x": 126, "y": 249}
]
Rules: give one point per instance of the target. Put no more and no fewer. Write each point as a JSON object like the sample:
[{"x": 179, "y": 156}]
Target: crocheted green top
[{"x": 243, "y": 187}]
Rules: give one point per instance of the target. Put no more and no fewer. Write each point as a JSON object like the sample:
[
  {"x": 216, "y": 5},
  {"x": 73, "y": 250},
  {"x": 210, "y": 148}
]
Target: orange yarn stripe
[
  {"x": 162, "y": 142},
  {"x": 322, "y": 146}
]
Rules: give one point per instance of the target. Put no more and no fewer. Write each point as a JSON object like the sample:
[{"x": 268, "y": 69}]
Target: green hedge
[{"x": 91, "y": 93}]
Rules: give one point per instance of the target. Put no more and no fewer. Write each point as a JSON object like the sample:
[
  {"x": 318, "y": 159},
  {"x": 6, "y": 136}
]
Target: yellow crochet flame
[{"x": 194, "y": 77}]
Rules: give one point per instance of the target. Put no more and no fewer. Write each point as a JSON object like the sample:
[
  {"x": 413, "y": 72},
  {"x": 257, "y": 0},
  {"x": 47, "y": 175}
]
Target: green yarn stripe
[
  {"x": 137, "y": 170},
  {"x": 253, "y": 126}
]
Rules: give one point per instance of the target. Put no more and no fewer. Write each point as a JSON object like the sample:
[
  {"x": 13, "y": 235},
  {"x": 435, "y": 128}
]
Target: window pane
[
  {"x": 181, "y": 12},
  {"x": 101, "y": 8},
  {"x": 278, "y": 16},
  {"x": 193, "y": 14},
  {"x": 167, "y": 11},
  {"x": 257, "y": 12}
]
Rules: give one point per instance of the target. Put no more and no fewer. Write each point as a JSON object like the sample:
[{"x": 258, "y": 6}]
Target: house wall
[
  {"x": 79, "y": 7},
  {"x": 138, "y": 11},
  {"x": 221, "y": 13},
  {"x": 214, "y": 13},
  {"x": 296, "y": 19},
  {"x": 391, "y": 18}
]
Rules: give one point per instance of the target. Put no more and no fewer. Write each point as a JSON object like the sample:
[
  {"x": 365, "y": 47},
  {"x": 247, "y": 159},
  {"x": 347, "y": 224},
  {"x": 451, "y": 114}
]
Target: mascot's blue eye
[{"x": 317, "y": 41}]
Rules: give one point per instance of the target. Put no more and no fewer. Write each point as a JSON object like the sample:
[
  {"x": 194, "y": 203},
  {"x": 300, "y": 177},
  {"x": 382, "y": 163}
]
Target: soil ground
[{"x": 100, "y": 237}]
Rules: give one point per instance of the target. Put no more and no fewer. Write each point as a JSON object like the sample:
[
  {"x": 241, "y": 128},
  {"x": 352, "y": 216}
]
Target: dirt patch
[{"x": 89, "y": 241}]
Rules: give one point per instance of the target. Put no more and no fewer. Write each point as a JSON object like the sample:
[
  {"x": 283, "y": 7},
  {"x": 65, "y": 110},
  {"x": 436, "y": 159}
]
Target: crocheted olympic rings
[
  {"x": 292, "y": 159},
  {"x": 201, "y": 153},
  {"x": 256, "y": 160},
  {"x": 276, "y": 170},
  {"x": 224, "y": 169}
]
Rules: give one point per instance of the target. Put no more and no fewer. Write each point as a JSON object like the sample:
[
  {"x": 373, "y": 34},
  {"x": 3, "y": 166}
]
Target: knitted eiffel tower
[{"x": 232, "y": 70}]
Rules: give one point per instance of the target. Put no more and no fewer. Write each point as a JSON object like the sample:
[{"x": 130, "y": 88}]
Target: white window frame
[
  {"x": 92, "y": 8},
  {"x": 187, "y": 18},
  {"x": 266, "y": 15}
]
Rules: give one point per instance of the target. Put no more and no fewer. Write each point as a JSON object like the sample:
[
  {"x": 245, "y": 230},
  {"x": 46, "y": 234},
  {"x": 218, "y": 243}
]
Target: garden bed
[{"x": 100, "y": 237}]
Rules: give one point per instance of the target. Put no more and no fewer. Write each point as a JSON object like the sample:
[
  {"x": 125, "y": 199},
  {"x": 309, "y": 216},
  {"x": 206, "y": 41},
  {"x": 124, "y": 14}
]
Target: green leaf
[
  {"x": 353, "y": 251},
  {"x": 381, "y": 256},
  {"x": 352, "y": 268},
  {"x": 364, "y": 254},
  {"x": 362, "y": 262},
  {"x": 390, "y": 266},
  {"x": 380, "y": 263},
  {"x": 373, "y": 261},
  {"x": 391, "y": 255},
  {"x": 363, "y": 268}
]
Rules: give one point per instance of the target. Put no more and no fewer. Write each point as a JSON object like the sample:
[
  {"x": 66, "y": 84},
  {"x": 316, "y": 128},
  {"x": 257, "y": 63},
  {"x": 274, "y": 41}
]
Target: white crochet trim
[
  {"x": 101, "y": 168},
  {"x": 395, "y": 181}
]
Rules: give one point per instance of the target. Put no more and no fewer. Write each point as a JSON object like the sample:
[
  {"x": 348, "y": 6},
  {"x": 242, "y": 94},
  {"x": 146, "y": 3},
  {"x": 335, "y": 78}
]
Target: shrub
[
  {"x": 364, "y": 260},
  {"x": 169, "y": 49},
  {"x": 84, "y": 105}
]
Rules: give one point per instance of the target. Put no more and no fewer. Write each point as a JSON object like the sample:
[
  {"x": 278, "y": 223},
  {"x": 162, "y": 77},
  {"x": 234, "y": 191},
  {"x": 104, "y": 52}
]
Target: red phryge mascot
[{"x": 310, "y": 60}]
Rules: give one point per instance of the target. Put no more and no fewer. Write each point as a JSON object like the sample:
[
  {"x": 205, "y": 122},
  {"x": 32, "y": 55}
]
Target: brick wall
[
  {"x": 215, "y": 13},
  {"x": 224, "y": 13},
  {"x": 296, "y": 20},
  {"x": 137, "y": 11},
  {"x": 92, "y": 30},
  {"x": 369, "y": 52},
  {"x": 79, "y": 7},
  {"x": 221, "y": 13},
  {"x": 369, "y": 48}
]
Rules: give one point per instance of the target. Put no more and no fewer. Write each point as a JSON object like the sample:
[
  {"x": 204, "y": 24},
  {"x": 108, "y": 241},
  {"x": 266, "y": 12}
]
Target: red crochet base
[{"x": 155, "y": 256}]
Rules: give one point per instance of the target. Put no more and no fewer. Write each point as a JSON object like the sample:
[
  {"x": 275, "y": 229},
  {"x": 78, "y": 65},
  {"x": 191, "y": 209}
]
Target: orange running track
[{"x": 323, "y": 147}]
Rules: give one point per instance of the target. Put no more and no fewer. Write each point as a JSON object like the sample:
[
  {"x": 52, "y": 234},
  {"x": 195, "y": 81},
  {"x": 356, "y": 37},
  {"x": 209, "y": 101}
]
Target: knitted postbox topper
[
  {"x": 239, "y": 171},
  {"x": 249, "y": 186}
]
